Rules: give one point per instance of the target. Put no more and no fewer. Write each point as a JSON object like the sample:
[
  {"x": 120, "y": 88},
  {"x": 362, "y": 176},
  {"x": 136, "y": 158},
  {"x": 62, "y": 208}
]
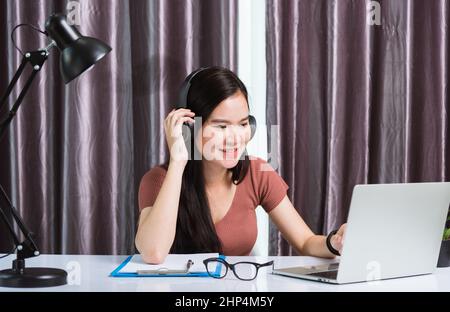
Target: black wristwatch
[{"x": 330, "y": 247}]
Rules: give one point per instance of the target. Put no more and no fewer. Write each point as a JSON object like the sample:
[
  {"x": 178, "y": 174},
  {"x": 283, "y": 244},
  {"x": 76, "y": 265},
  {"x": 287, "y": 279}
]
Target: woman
[{"x": 207, "y": 204}]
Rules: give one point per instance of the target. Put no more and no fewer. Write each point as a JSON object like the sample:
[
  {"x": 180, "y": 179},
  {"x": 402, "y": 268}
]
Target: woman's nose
[{"x": 234, "y": 136}]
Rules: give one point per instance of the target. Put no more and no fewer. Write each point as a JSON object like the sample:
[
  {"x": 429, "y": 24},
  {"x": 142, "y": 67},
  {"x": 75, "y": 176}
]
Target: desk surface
[{"x": 91, "y": 274}]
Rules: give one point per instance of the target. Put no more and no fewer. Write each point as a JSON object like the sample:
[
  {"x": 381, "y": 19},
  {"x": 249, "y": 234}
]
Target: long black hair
[{"x": 195, "y": 230}]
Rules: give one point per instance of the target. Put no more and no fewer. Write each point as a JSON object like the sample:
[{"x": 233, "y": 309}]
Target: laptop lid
[{"x": 393, "y": 230}]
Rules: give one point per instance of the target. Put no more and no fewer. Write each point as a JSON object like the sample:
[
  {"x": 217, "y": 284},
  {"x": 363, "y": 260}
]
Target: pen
[
  {"x": 189, "y": 264},
  {"x": 164, "y": 271}
]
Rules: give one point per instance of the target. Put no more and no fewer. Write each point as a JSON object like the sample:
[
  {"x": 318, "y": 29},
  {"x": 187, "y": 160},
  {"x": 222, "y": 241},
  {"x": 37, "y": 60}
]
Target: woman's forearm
[{"x": 157, "y": 228}]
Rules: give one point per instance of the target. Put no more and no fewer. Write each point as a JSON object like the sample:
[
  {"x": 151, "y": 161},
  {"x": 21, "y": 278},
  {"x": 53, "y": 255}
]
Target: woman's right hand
[{"x": 174, "y": 135}]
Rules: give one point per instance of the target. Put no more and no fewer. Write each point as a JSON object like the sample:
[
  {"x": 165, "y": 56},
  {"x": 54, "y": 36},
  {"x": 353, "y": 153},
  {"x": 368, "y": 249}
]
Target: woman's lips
[{"x": 229, "y": 152}]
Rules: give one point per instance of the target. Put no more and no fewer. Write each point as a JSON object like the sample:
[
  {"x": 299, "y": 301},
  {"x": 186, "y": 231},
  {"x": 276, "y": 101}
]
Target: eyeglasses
[{"x": 246, "y": 271}]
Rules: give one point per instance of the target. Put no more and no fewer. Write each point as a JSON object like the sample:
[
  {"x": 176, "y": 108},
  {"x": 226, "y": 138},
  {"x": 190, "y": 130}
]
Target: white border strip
[{"x": 252, "y": 71}]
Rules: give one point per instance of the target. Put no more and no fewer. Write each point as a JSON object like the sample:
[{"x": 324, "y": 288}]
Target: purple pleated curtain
[
  {"x": 356, "y": 102},
  {"x": 74, "y": 155}
]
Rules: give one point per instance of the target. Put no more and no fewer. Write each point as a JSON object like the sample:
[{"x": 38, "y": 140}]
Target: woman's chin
[
  {"x": 228, "y": 164},
  {"x": 229, "y": 161}
]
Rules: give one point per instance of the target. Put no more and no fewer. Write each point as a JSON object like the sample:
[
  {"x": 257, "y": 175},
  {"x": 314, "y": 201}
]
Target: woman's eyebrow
[{"x": 217, "y": 120}]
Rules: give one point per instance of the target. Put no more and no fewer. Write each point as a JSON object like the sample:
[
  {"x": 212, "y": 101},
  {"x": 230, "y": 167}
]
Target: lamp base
[{"x": 33, "y": 277}]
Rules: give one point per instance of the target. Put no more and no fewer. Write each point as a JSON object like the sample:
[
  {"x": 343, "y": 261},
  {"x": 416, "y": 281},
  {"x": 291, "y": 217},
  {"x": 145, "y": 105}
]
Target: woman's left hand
[{"x": 337, "y": 240}]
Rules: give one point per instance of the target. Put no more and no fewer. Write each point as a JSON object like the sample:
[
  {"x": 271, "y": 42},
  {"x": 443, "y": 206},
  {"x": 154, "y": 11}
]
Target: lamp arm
[
  {"x": 37, "y": 60},
  {"x": 28, "y": 247},
  {"x": 13, "y": 81},
  {"x": 5, "y": 218}
]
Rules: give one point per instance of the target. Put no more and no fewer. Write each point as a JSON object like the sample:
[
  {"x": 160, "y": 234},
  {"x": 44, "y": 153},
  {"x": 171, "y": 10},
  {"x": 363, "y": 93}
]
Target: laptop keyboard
[
  {"x": 328, "y": 271},
  {"x": 326, "y": 274}
]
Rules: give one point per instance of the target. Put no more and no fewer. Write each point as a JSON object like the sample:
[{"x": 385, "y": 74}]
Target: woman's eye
[
  {"x": 221, "y": 127},
  {"x": 244, "y": 124}
]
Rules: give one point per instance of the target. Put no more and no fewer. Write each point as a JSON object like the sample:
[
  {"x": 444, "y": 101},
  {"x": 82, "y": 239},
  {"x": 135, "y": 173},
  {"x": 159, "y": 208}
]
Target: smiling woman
[{"x": 207, "y": 204}]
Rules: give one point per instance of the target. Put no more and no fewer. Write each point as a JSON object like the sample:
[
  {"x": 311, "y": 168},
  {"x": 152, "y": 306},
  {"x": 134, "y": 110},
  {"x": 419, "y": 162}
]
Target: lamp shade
[{"x": 78, "y": 53}]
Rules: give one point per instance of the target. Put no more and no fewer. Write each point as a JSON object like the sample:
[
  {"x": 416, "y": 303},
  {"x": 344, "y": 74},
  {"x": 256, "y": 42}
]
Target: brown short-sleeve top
[{"x": 237, "y": 230}]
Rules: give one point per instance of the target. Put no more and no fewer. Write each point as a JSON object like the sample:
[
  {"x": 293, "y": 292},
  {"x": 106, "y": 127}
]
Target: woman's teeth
[{"x": 229, "y": 150}]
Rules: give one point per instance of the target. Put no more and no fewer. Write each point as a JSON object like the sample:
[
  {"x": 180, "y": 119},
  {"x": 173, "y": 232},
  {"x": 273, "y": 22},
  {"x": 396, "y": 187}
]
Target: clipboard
[{"x": 168, "y": 272}]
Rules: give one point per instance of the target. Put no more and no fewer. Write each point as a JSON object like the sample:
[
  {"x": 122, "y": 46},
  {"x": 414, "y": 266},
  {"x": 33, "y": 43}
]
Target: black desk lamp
[{"x": 77, "y": 54}]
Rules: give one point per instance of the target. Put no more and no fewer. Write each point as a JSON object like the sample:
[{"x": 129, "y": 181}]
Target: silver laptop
[{"x": 393, "y": 230}]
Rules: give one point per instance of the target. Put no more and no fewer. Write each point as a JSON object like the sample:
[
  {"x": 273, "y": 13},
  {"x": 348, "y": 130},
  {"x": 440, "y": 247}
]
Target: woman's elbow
[
  {"x": 153, "y": 256},
  {"x": 150, "y": 255}
]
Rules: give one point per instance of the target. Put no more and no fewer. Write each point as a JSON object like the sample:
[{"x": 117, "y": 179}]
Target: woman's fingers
[
  {"x": 339, "y": 237},
  {"x": 341, "y": 230},
  {"x": 177, "y": 111},
  {"x": 174, "y": 115},
  {"x": 180, "y": 111},
  {"x": 170, "y": 114},
  {"x": 179, "y": 115},
  {"x": 337, "y": 242},
  {"x": 184, "y": 119}
]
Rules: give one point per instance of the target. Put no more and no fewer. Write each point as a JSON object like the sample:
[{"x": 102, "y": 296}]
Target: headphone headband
[{"x": 184, "y": 90}]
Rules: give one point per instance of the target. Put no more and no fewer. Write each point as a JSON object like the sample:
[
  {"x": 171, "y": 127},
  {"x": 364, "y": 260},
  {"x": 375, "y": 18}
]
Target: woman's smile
[{"x": 229, "y": 153}]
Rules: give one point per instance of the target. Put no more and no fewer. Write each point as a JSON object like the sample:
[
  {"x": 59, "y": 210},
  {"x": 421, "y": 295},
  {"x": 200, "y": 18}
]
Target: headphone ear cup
[
  {"x": 188, "y": 137},
  {"x": 252, "y": 123}
]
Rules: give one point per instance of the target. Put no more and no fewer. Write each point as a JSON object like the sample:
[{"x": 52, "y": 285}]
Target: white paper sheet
[{"x": 172, "y": 262}]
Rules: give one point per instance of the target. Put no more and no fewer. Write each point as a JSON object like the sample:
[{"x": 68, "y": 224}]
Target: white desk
[{"x": 91, "y": 274}]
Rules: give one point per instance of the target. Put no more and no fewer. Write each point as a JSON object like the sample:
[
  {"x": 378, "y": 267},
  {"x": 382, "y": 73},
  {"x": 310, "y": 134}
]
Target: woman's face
[{"x": 226, "y": 132}]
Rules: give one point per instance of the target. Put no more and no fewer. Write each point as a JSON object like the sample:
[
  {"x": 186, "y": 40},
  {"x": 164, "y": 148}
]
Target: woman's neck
[{"x": 215, "y": 175}]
